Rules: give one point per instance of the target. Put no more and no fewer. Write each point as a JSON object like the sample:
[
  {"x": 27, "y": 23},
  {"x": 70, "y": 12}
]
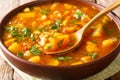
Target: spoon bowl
[{"x": 79, "y": 34}]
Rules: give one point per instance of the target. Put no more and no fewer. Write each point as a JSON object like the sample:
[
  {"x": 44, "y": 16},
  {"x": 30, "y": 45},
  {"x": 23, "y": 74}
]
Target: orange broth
[{"x": 35, "y": 30}]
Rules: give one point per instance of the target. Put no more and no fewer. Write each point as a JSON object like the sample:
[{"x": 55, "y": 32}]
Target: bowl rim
[{"x": 33, "y": 3}]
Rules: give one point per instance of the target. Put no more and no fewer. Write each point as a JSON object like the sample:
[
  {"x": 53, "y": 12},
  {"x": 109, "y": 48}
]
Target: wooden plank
[
  {"x": 16, "y": 76},
  {"x": 6, "y": 72},
  {"x": 6, "y": 6},
  {"x": 107, "y": 3}
]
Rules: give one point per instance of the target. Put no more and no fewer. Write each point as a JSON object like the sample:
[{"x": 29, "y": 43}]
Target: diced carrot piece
[
  {"x": 55, "y": 42},
  {"x": 53, "y": 62},
  {"x": 109, "y": 42},
  {"x": 87, "y": 59},
  {"x": 99, "y": 31},
  {"x": 26, "y": 15},
  {"x": 65, "y": 40},
  {"x": 35, "y": 59},
  {"x": 77, "y": 63},
  {"x": 9, "y": 42},
  {"x": 27, "y": 54},
  {"x": 15, "y": 48},
  {"x": 91, "y": 47}
]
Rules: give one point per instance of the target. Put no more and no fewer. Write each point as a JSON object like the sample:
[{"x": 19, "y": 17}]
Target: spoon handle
[{"x": 103, "y": 12}]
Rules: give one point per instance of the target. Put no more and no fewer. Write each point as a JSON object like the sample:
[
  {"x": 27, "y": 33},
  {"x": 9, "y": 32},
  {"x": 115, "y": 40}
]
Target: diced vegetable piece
[
  {"x": 57, "y": 14},
  {"x": 26, "y": 9},
  {"x": 53, "y": 43},
  {"x": 45, "y": 12},
  {"x": 65, "y": 39},
  {"x": 66, "y": 21},
  {"x": 26, "y": 15},
  {"x": 109, "y": 42},
  {"x": 79, "y": 14},
  {"x": 87, "y": 59},
  {"x": 77, "y": 63},
  {"x": 99, "y": 31},
  {"x": 9, "y": 42},
  {"x": 53, "y": 62},
  {"x": 68, "y": 6},
  {"x": 59, "y": 41},
  {"x": 35, "y": 59},
  {"x": 63, "y": 58},
  {"x": 91, "y": 47},
  {"x": 15, "y": 48},
  {"x": 47, "y": 46},
  {"x": 105, "y": 19},
  {"x": 43, "y": 40},
  {"x": 93, "y": 55},
  {"x": 58, "y": 34},
  {"x": 27, "y": 54},
  {"x": 37, "y": 8},
  {"x": 35, "y": 50},
  {"x": 84, "y": 21},
  {"x": 54, "y": 6},
  {"x": 44, "y": 17}
]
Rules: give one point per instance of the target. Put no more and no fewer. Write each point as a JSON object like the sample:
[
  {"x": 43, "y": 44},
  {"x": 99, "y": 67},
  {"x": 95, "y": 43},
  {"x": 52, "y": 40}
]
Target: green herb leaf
[
  {"x": 93, "y": 55},
  {"x": 32, "y": 37},
  {"x": 11, "y": 28},
  {"x": 79, "y": 14},
  {"x": 20, "y": 54},
  {"x": 54, "y": 27},
  {"x": 34, "y": 49},
  {"x": 63, "y": 58},
  {"x": 41, "y": 29},
  {"x": 58, "y": 23},
  {"x": 45, "y": 11},
  {"x": 73, "y": 21},
  {"x": 26, "y": 31},
  {"x": 108, "y": 31},
  {"x": 59, "y": 43},
  {"x": 94, "y": 41}
]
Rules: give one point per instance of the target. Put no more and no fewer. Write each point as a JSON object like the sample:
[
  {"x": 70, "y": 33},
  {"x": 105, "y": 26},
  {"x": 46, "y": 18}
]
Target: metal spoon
[{"x": 79, "y": 34}]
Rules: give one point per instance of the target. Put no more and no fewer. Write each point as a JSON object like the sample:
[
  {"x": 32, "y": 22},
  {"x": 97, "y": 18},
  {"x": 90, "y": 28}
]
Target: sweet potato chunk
[
  {"x": 15, "y": 48},
  {"x": 35, "y": 59}
]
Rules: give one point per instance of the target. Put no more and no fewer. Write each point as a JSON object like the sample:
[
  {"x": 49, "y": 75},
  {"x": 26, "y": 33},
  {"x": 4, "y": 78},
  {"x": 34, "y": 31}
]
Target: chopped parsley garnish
[
  {"x": 41, "y": 29},
  {"x": 94, "y": 41},
  {"x": 73, "y": 21},
  {"x": 11, "y": 28},
  {"x": 59, "y": 43},
  {"x": 26, "y": 31},
  {"x": 34, "y": 49},
  {"x": 32, "y": 37},
  {"x": 63, "y": 58},
  {"x": 79, "y": 15},
  {"x": 18, "y": 32},
  {"x": 45, "y": 11},
  {"x": 56, "y": 25},
  {"x": 108, "y": 31},
  {"x": 93, "y": 55},
  {"x": 20, "y": 54}
]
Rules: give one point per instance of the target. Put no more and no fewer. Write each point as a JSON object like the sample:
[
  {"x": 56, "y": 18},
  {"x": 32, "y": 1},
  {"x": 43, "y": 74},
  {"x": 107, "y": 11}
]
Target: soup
[{"x": 50, "y": 27}]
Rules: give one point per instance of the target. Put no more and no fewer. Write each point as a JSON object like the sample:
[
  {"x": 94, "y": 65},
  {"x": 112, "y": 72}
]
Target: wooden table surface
[{"x": 6, "y": 72}]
